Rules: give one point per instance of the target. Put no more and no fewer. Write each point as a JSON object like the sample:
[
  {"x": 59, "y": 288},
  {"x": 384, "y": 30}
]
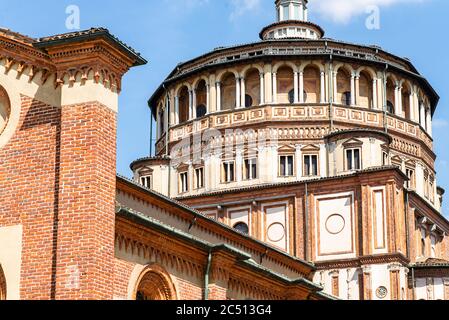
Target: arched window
[
  {"x": 312, "y": 84},
  {"x": 155, "y": 284},
  {"x": 5, "y": 109},
  {"x": 248, "y": 101},
  {"x": 285, "y": 83},
  {"x": 252, "y": 87},
  {"x": 183, "y": 105},
  {"x": 291, "y": 96},
  {"x": 2, "y": 285},
  {"x": 365, "y": 94},
  {"x": 201, "y": 111},
  {"x": 391, "y": 87},
  {"x": 343, "y": 86},
  {"x": 346, "y": 98},
  {"x": 423, "y": 247},
  {"x": 162, "y": 121},
  {"x": 228, "y": 92},
  {"x": 242, "y": 227},
  {"x": 390, "y": 107}
]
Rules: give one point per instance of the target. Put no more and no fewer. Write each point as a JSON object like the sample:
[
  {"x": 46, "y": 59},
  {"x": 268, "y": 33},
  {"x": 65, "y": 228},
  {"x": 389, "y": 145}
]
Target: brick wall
[
  {"x": 28, "y": 196},
  {"x": 58, "y": 181},
  {"x": 122, "y": 274},
  {"x": 85, "y": 235},
  {"x": 186, "y": 290}
]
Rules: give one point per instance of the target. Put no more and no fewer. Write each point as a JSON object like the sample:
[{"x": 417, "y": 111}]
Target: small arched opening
[
  {"x": 366, "y": 82},
  {"x": 343, "y": 87},
  {"x": 201, "y": 99},
  {"x": 285, "y": 84},
  {"x": 406, "y": 93},
  {"x": 252, "y": 88},
  {"x": 391, "y": 108},
  {"x": 312, "y": 84},
  {"x": 155, "y": 284},
  {"x": 183, "y": 104},
  {"x": 228, "y": 92}
]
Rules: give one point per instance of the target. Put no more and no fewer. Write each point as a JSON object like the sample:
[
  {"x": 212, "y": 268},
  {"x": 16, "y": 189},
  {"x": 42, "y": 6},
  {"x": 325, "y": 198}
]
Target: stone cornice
[
  {"x": 361, "y": 261},
  {"x": 71, "y": 57}
]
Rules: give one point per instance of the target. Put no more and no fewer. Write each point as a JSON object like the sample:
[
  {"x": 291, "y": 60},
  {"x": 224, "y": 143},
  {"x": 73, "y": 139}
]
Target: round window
[
  {"x": 242, "y": 227},
  {"x": 381, "y": 292}
]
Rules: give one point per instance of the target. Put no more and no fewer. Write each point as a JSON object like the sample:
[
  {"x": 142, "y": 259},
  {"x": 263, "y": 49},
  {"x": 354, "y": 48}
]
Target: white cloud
[
  {"x": 440, "y": 123},
  {"x": 241, "y": 7},
  {"x": 342, "y": 11}
]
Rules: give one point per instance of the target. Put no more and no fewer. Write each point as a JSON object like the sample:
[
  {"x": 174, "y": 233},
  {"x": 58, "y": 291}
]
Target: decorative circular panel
[
  {"x": 381, "y": 292},
  {"x": 276, "y": 232},
  {"x": 335, "y": 224}
]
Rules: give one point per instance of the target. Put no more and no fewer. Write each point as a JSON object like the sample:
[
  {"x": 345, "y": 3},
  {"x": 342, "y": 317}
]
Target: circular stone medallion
[
  {"x": 276, "y": 232},
  {"x": 335, "y": 224}
]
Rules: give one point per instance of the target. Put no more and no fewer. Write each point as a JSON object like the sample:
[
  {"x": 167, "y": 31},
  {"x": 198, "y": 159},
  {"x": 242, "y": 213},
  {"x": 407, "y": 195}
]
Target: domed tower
[
  {"x": 292, "y": 22},
  {"x": 320, "y": 148}
]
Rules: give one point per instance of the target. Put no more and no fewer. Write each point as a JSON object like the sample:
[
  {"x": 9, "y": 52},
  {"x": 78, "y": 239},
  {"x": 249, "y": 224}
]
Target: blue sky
[{"x": 167, "y": 32}]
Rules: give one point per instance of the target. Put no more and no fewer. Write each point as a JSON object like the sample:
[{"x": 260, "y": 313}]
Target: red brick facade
[{"x": 58, "y": 169}]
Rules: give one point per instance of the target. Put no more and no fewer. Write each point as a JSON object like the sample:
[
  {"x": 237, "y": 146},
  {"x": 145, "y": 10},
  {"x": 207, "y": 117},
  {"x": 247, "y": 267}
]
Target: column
[
  {"x": 429, "y": 122},
  {"x": 352, "y": 90},
  {"x": 334, "y": 85},
  {"x": 237, "y": 92},
  {"x": 268, "y": 95},
  {"x": 417, "y": 105},
  {"x": 208, "y": 98},
  {"x": 262, "y": 88},
  {"x": 158, "y": 124},
  {"x": 301, "y": 87},
  {"x": 412, "y": 107},
  {"x": 295, "y": 86},
  {"x": 194, "y": 104},
  {"x": 176, "y": 110},
  {"x": 190, "y": 104},
  {"x": 397, "y": 106},
  {"x": 218, "y": 94},
  {"x": 401, "y": 104},
  {"x": 243, "y": 93},
  {"x": 238, "y": 166},
  {"x": 166, "y": 115},
  {"x": 323, "y": 87},
  {"x": 375, "y": 106},
  {"x": 422, "y": 112},
  {"x": 298, "y": 164},
  {"x": 357, "y": 90},
  {"x": 275, "y": 86},
  {"x": 213, "y": 94}
]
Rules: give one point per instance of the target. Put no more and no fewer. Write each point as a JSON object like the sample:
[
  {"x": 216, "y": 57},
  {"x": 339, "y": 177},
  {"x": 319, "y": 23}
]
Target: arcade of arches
[{"x": 291, "y": 84}]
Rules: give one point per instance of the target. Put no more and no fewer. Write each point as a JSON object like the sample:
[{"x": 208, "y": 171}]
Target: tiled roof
[
  {"x": 17, "y": 36},
  {"x": 85, "y": 34},
  {"x": 199, "y": 214},
  {"x": 145, "y": 159},
  {"x": 291, "y": 183},
  {"x": 358, "y": 130},
  {"x": 432, "y": 262}
]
